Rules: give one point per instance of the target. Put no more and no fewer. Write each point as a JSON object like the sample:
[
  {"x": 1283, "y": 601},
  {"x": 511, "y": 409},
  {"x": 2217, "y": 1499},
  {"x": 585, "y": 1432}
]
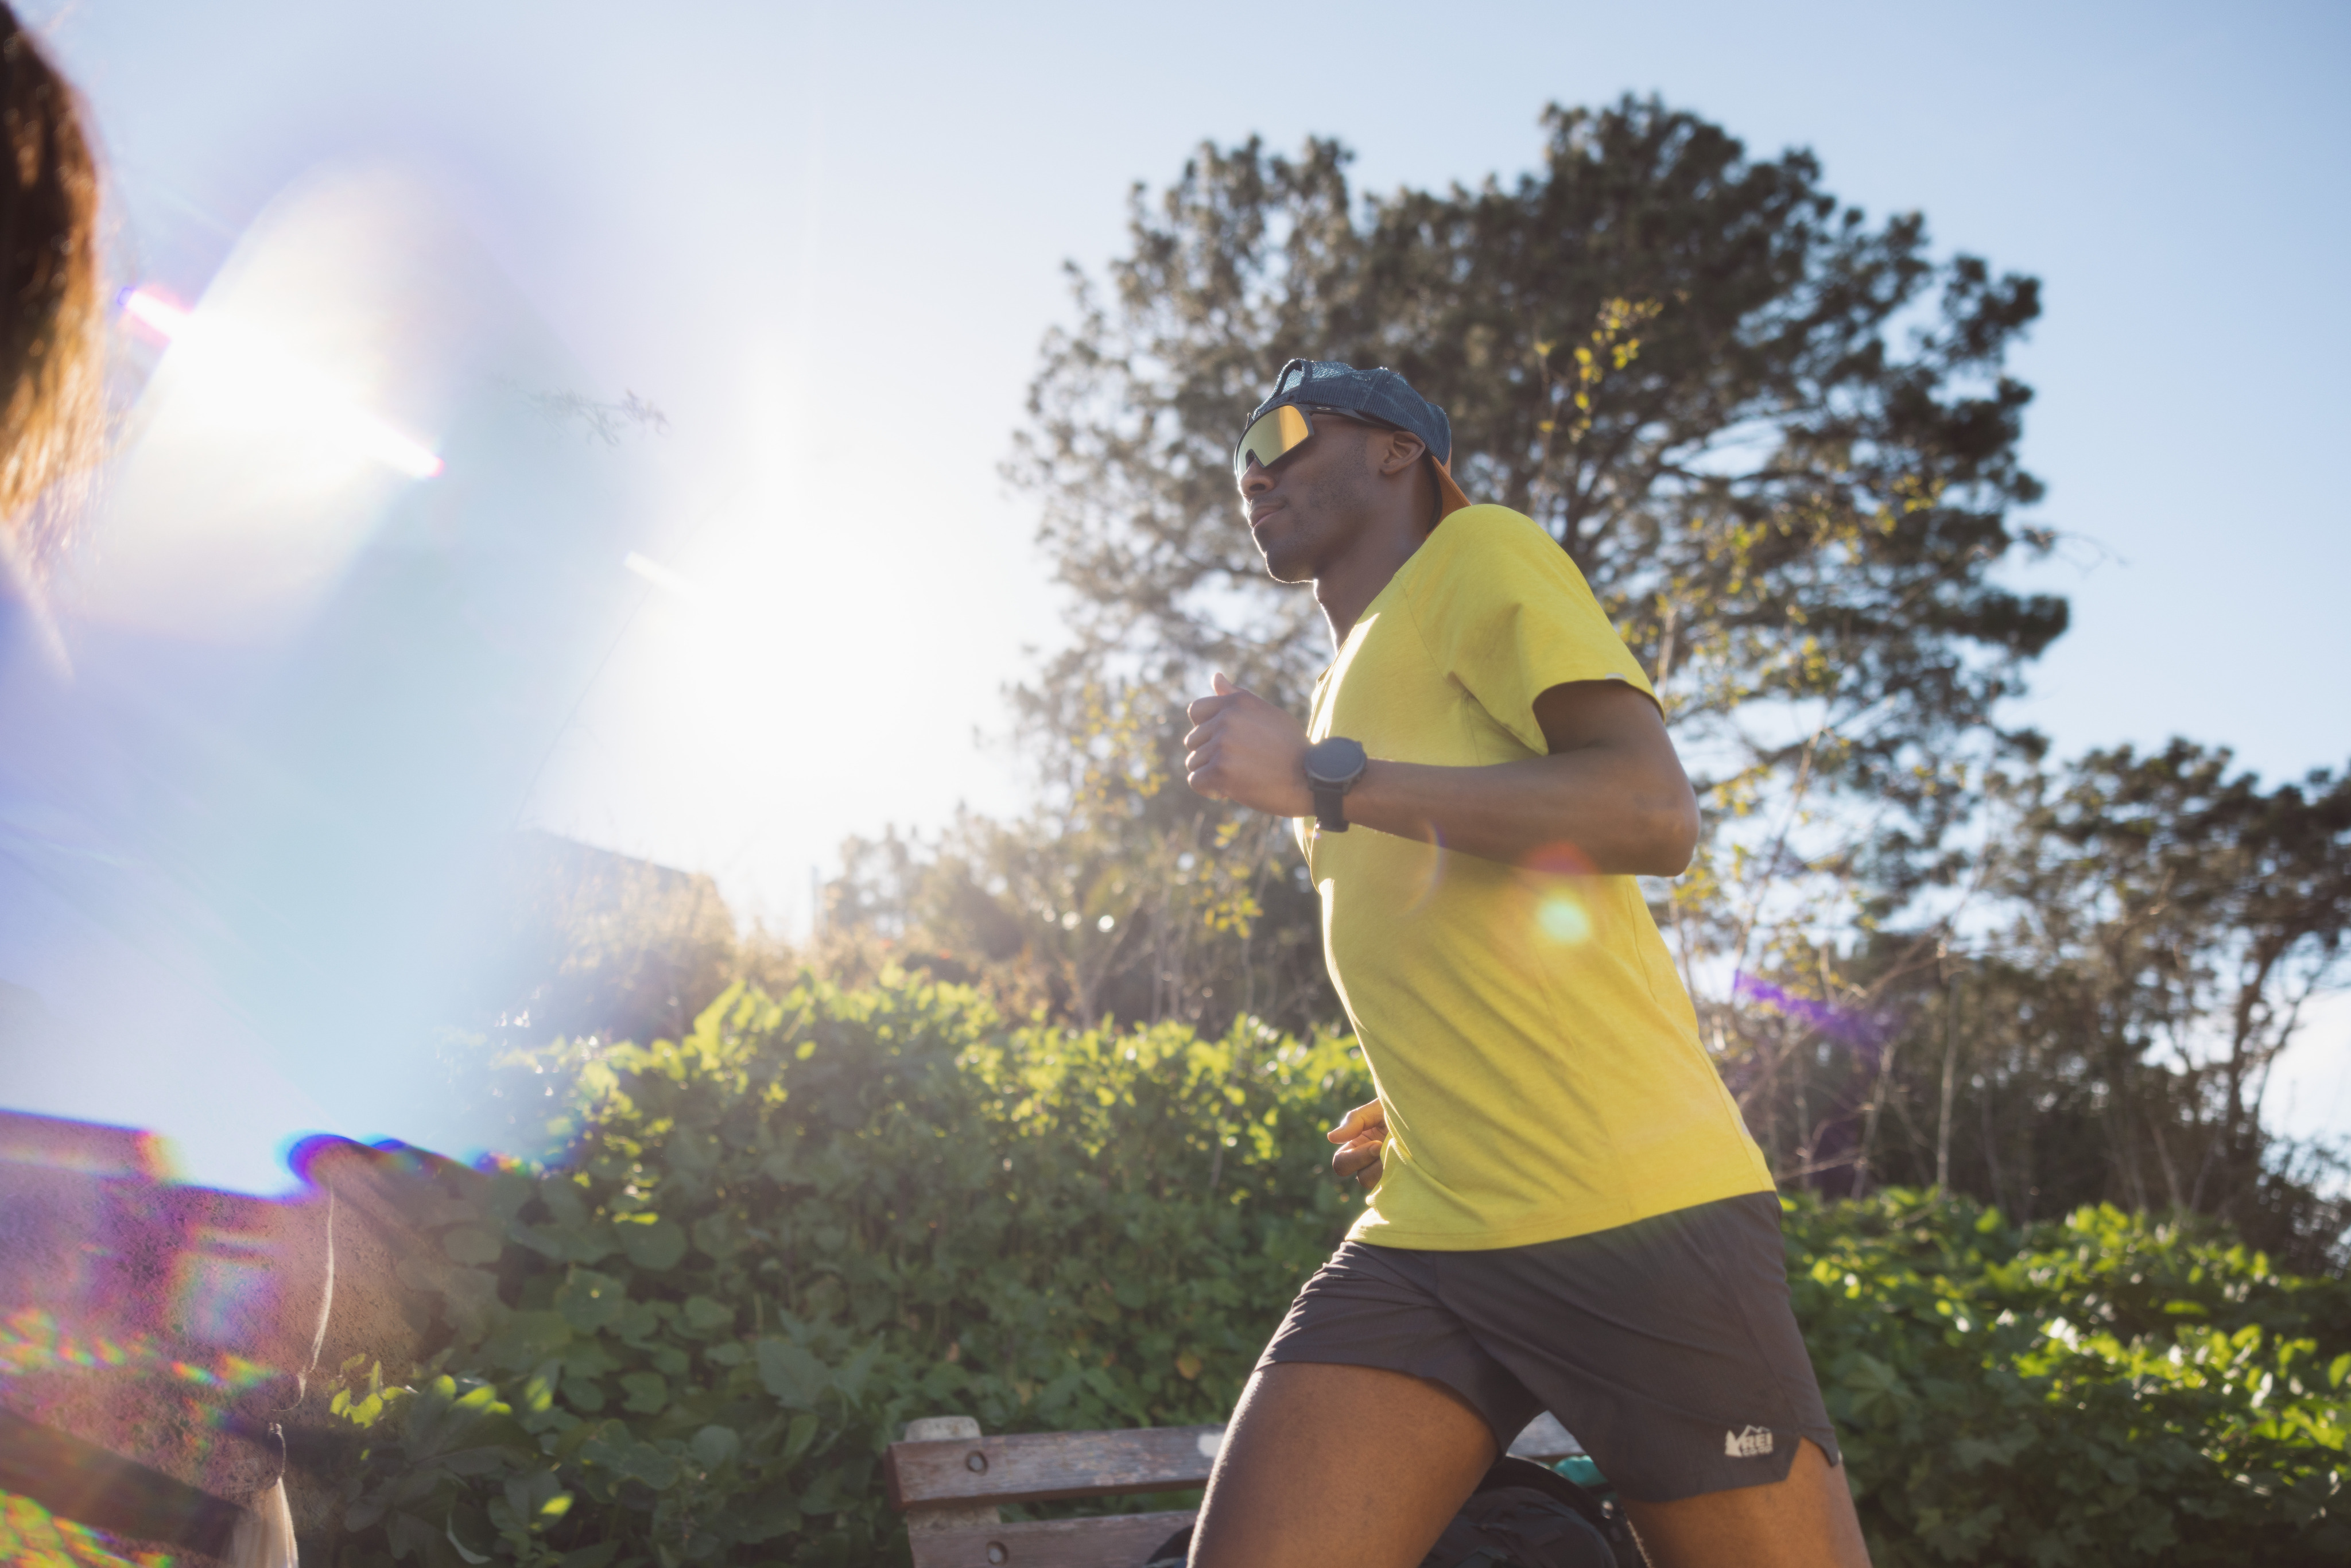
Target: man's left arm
[{"x": 1611, "y": 787}]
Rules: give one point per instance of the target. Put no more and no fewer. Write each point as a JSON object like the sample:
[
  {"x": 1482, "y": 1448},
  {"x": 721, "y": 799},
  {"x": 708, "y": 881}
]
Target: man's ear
[{"x": 1399, "y": 451}]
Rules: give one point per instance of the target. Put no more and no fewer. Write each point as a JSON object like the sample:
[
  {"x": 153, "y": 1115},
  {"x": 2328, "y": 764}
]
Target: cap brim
[{"x": 1449, "y": 498}]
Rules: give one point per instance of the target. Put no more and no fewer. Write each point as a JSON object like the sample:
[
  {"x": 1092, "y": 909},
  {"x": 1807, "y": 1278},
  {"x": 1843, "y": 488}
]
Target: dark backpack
[{"x": 1521, "y": 1515}]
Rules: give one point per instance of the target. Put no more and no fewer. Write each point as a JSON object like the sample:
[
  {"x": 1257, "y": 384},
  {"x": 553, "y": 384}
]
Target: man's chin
[{"x": 1287, "y": 566}]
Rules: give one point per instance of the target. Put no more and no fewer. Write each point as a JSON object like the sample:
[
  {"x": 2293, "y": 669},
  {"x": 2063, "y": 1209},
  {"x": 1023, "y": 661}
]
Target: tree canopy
[{"x": 1776, "y": 436}]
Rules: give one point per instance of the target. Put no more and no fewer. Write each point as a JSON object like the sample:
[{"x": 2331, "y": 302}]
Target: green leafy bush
[
  {"x": 818, "y": 1217},
  {"x": 2106, "y": 1389}
]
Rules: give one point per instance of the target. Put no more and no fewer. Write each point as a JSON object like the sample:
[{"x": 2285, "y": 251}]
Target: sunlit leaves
[
  {"x": 936, "y": 1211},
  {"x": 2006, "y": 1393},
  {"x": 815, "y": 1217}
]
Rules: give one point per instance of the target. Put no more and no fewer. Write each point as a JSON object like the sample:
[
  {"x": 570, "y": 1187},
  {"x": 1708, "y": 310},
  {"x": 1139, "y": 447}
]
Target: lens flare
[
  {"x": 246, "y": 366},
  {"x": 1562, "y": 915},
  {"x": 1562, "y": 859},
  {"x": 1562, "y": 918},
  {"x": 31, "y": 1341},
  {"x": 1853, "y": 1026},
  {"x": 32, "y": 1535},
  {"x": 151, "y": 310}
]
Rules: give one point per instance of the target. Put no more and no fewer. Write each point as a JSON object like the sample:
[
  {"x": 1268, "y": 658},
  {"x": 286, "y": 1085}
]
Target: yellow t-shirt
[{"x": 1534, "y": 1050}]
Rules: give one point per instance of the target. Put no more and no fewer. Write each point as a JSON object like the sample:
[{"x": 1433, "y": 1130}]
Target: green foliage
[
  {"x": 2104, "y": 1389},
  {"x": 816, "y": 1217},
  {"x": 1125, "y": 901},
  {"x": 820, "y": 1216}
]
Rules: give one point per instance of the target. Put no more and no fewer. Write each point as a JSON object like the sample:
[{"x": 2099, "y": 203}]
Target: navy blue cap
[{"x": 1380, "y": 394}]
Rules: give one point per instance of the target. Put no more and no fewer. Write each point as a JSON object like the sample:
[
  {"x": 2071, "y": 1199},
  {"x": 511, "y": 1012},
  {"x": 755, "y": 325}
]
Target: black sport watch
[{"x": 1333, "y": 767}]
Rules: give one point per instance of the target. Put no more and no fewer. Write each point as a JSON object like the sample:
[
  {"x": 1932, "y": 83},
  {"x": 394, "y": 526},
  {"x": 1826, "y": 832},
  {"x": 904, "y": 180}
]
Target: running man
[{"x": 1566, "y": 1212}]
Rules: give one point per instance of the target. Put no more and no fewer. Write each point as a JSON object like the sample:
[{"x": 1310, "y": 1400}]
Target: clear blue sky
[{"x": 793, "y": 226}]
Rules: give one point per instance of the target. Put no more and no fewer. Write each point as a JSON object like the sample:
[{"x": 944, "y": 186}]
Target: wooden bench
[{"x": 950, "y": 1482}]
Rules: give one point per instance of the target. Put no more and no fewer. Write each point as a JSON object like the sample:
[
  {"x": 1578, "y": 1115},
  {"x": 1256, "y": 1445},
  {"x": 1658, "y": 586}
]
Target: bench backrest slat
[{"x": 1043, "y": 1467}]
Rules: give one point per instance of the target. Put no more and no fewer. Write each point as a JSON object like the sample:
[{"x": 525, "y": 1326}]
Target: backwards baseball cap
[{"x": 1379, "y": 395}]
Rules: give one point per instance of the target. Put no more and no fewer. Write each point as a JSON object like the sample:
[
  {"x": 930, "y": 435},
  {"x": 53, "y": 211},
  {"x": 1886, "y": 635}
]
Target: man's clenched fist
[
  {"x": 1244, "y": 749},
  {"x": 1361, "y": 1137}
]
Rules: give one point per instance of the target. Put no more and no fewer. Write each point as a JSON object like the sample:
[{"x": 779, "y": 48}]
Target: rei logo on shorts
[{"x": 1752, "y": 1444}]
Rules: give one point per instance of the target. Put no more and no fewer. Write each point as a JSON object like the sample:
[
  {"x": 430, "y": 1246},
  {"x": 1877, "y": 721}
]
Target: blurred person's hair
[{"x": 52, "y": 355}]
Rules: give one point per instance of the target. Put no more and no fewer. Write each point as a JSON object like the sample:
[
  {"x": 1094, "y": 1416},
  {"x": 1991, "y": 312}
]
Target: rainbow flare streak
[
  {"x": 33, "y": 1537},
  {"x": 31, "y": 1342},
  {"x": 349, "y": 423},
  {"x": 1853, "y": 1026}
]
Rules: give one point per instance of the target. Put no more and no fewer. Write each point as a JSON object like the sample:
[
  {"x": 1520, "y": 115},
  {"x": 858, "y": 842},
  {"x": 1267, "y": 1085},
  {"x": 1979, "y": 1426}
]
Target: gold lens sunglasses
[{"x": 1279, "y": 432}]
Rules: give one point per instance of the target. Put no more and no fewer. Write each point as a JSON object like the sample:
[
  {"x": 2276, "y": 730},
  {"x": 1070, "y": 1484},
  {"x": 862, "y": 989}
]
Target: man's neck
[{"x": 1346, "y": 586}]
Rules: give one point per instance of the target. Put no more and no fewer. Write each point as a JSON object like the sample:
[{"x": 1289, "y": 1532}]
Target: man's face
[{"x": 1308, "y": 508}]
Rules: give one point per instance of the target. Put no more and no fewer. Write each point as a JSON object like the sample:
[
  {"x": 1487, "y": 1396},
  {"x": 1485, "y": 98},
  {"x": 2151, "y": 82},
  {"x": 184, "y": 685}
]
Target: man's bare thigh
[
  {"x": 1325, "y": 1463},
  {"x": 1805, "y": 1521}
]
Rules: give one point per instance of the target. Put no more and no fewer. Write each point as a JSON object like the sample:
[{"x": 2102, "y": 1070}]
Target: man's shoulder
[
  {"x": 1496, "y": 548},
  {"x": 1489, "y": 527}
]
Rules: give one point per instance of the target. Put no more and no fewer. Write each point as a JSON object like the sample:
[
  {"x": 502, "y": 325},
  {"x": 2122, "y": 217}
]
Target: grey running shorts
[{"x": 1666, "y": 1347}]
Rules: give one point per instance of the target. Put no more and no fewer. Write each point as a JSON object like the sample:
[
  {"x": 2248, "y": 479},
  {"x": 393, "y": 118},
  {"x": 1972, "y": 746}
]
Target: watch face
[{"x": 1337, "y": 761}]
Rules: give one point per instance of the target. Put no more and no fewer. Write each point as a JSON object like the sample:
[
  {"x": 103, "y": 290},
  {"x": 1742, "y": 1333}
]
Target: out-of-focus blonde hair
[{"x": 52, "y": 353}]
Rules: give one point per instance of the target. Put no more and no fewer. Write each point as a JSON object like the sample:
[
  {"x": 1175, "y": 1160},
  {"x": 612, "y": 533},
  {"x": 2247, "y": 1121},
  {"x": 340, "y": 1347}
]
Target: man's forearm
[
  {"x": 1610, "y": 788},
  {"x": 1615, "y": 814}
]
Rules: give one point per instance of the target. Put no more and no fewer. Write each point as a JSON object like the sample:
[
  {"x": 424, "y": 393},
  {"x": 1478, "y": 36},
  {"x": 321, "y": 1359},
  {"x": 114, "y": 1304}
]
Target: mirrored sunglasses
[
  {"x": 1284, "y": 430},
  {"x": 1272, "y": 437}
]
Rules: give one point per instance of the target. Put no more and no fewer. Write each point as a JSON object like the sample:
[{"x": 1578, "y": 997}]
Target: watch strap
[{"x": 1330, "y": 806}]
